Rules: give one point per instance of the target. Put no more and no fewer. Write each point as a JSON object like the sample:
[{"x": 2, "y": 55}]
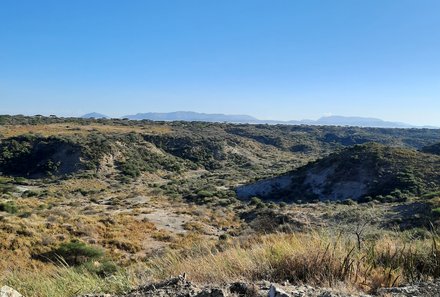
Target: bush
[
  {"x": 436, "y": 212},
  {"x": 431, "y": 195},
  {"x": 29, "y": 193},
  {"x": 349, "y": 202},
  {"x": 9, "y": 207},
  {"x": 223, "y": 237},
  {"x": 205, "y": 193},
  {"x": 104, "y": 269},
  {"x": 130, "y": 168},
  {"x": 365, "y": 199},
  {"x": 76, "y": 252},
  {"x": 255, "y": 201},
  {"x": 6, "y": 188}
]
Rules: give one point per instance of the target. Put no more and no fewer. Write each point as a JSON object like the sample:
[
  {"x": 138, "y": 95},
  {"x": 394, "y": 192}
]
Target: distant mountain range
[
  {"x": 354, "y": 121},
  {"x": 207, "y": 117},
  {"x": 95, "y": 115},
  {"x": 192, "y": 116}
]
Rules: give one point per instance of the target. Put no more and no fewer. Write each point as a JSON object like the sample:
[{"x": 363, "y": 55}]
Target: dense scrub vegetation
[{"x": 432, "y": 149}]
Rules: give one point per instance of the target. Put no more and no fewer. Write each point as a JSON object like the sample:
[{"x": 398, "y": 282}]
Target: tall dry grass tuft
[
  {"x": 316, "y": 259},
  {"x": 63, "y": 281}
]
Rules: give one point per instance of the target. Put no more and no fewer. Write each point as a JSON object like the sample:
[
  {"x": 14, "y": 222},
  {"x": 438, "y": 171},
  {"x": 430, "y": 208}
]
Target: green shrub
[
  {"x": 28, "y": 194},
  {"x": 76, "y": 253},
  {"x": 103, "y": 269},
  {"x": 255, "y": 201},
  {"x": 349, "y": 202},
  {"x": 205, "y": 193},
  {"x": 431, "y": 195},
  {"x": 223, "y": 237},
  {"x": 436, "y": 212},
  {"x": 130, "y": 168},
  {"x": 9, "y": 207},
  {"x": 6, "y": 188},
  {"x": 20, "y": 180}
]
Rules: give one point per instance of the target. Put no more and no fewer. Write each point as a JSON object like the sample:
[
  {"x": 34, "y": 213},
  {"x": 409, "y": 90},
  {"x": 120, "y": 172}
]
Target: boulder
[
  {"x": 6, "y": 291},
  {"x": 277, "y": 292},
  {"x": 212, "y": 293}
]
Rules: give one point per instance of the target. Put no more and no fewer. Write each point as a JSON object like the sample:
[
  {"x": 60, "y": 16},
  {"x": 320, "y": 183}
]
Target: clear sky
[{"x": 273, "y": 59}]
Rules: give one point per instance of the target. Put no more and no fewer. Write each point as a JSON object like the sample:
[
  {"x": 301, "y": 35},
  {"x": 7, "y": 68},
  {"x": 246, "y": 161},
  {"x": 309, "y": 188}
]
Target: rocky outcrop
[
  {"x": 6, "y": 291},
  {"x": 180, "y": 287},
  {"x": 425, "y": 289}
]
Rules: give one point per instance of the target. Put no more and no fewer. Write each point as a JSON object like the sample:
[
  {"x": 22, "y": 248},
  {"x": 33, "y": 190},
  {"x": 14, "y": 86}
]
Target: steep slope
[
  {"x": 35, "y": 157},
  {"x": 359, "y": 172},
  {"x": 432, "y": 149}
]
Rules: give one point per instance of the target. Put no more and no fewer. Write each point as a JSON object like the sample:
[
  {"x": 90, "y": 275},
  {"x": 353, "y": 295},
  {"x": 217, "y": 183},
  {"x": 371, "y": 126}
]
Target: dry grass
[
  {"x": 65, "y": 282},
  {"x": 72, "y": 128},
  {"x": 76, "y": 184},
  {"x": 316, "y": 259}
]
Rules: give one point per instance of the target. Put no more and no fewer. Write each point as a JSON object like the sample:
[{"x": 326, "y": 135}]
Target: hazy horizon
[
  {"x": 228, "y": 114},
  {"x": 279, "y": 60}
]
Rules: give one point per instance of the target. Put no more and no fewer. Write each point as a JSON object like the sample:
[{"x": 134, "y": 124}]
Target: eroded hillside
[{"x": 366, "y": 172}]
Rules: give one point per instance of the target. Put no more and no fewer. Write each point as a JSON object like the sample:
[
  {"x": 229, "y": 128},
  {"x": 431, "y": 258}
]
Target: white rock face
[
  {"x": 277, "y": 292},
  {"x": 264, "y": 187},
  {"x": 6, "y": 291}
]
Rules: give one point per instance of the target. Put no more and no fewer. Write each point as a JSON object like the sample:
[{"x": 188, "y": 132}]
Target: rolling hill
[
  {"x": 362, "y": 172},
  {"x": 94, "y": 115}
]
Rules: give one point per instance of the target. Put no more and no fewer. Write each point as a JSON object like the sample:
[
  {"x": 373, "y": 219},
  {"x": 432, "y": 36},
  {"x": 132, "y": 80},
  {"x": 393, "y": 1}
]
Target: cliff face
[{"x": 36, "y": 157}]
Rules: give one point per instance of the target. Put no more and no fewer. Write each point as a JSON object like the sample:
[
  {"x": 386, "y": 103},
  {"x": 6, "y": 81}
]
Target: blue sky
[{"x": 273, "y": 59}]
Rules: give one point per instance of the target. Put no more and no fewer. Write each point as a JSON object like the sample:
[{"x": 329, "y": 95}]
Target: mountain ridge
[
  {"x": 334, "y": 120},
  {"x": 94, "y": 115}
]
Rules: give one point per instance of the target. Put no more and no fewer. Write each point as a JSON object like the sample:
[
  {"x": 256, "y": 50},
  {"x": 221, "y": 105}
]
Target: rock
[
  {"x": 277, "y": 292},
  {"x": 181, "y": 287},
  {"x": 6, "y": 291},
  {"x": 238, "y": 288},
  {"x": 177, "y": 286},
  {"x": 327, "y": 294},
  {"x": 421, "y": 289},
  {"x": 212, "y": 293}
]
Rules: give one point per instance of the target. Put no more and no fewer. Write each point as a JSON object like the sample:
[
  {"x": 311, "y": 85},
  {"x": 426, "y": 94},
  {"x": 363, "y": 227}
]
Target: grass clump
[
  {"x": 66, "y": 281},
  {"x": 315, "y": 259},
  {"x": 9, "y": 207},
  {"x": 76, "y": 253}
]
